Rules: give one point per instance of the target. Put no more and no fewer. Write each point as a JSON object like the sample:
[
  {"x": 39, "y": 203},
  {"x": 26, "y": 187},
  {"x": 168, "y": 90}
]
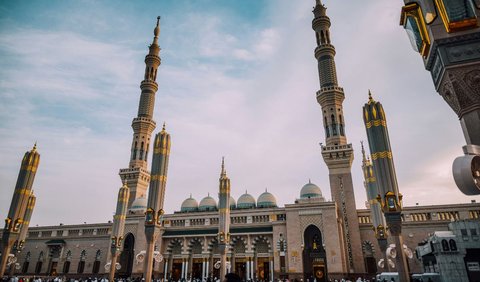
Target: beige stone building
[{"x": 307, "y": 238}]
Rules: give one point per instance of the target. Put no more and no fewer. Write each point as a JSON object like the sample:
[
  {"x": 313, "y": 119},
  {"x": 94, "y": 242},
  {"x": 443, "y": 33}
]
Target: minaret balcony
[
  {"x": 330, "y": 93},
  {"x": 152, "y": 59},
  {"x": 321, "y": 22},
  {"x": 139, "y": 123},
  {"x": 149, "y": 84},
  {"x": 324, "y": 49}
]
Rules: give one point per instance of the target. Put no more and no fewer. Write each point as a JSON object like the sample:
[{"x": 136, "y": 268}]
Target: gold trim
[
  {"x": 376, "y": 122},
  {"x": 22, "y": 191},
  {"x": 382, "y": 155},
  {"x": 158, "y": 177},
  {"x": 163, "y": 151},
  {"x": 119, "y": 216}
]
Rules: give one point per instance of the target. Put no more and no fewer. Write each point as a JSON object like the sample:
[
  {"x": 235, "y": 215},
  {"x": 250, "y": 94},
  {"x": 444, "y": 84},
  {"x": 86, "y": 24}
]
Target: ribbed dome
[
  {"x": 139, "y": 205},
  {"x": 266, "y": 200},
  {"x": 233, "y": 204},
  {"x": 189, "y": 205},
  {"x": 207, "y": 204},
  {"x": 246, "y": 201},
  {"x": 310, "y": 190}
]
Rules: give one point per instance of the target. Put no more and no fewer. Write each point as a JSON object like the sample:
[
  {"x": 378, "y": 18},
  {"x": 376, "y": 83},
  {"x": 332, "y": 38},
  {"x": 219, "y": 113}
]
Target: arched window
[
  {"x": 134, "y": 155},
  {"x": 141, "y": 151},
  {"x": 445, "y": 246},
  {"x": 26, "y": 263},
  {"x": 96, "y": 263},
  {"x": 328, "y": 37},
  {"x": 318, "y": 38},
  {"x": 322, "y": 37},
  {"x": 81, "y": 263},
  {"x": 334, "y": 126},
  {"x": 453, "y": 245}
]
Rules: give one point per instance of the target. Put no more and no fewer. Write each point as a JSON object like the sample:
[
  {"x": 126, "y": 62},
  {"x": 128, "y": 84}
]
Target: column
[
  {"x": 271, "y": 268},
  {"x": 248, "y": 268},
  {"x": 183, "y": 268}
]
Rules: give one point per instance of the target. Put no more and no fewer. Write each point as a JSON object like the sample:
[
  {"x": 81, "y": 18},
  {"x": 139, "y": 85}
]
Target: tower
[
  {"x": 136, "y": 175},
  {"x": 378, "y": 220},
  {"x": 337, "y": 153},
  {"x": 224, "y": 219},
  {"x": 19, "y": 214},
  {"x": 118, "y": 228},
  {"x": 388, "y": 196},
  {"x": 156, "y": 196}
]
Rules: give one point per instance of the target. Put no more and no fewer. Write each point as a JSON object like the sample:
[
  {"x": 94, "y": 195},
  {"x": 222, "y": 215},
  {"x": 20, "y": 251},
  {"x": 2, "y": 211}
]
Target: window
[
  {"x": 445, "y": 246},
  {"x": 414, "y": 23},
  {"x": 453, "y": 245},
  {"x": 457, "y": 14}
]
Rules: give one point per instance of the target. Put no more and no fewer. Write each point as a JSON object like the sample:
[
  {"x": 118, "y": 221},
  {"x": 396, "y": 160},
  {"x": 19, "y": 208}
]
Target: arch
[
  {"x": 175, "y": 247},
  {"x": 213, "y": 246},
  {"x": 81, "y": 263},
  {"x": 261, "y": 244},
  {"x": 140, "y": 156},
  {"x": 96, "y": 263},
  {"x": 127, "y": 255},
  {"x": 369, "y": 257},
  {"x": 314, "y": 255},
  {"x": 445, "y": 246},
  {"x": 195, "y": 246},
  {"x": 453, "y": 245},
  {"x": 26, "y": 263},
  {"x": 328, "y": 36},
  {"x": 238, "y": 245},
  {"x": 317, "y": 36}
]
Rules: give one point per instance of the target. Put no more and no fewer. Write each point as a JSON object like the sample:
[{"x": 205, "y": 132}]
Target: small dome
[
  {"x": 208, "y": 204},
  {"x": 310, "y": 190},
  {"x": 266, "y": 200},
  {"x": 189, "y": 205},
  {"x": 139, "y": 205},
  {"x": 246, "y": 201},
  {"x": 233, "y": 204}
]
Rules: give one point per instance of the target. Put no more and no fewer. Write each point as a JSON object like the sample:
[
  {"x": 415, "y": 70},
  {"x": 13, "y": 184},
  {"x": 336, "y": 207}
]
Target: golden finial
[
  {"x": 363, "y": 151},
  {"x": 34, "y": 147},
  {"x": 163, "y": 128},
  {"x": 370, "y": 99},
  {"x": 158, "y": 20},
  {"x": 223, "y": 167}
]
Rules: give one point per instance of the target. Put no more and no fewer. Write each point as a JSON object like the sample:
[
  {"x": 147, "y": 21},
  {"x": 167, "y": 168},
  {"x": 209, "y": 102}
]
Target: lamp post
[{"x": 446, "y": 33}]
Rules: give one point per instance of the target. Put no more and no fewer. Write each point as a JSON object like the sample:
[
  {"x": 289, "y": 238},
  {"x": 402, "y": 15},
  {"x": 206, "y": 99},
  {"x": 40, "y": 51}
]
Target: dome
[
  {"x": 246, "y": 201},
  {"x": 208, "y": 204},
  {"x": 310, "y": 190},
  {"x": 266, "y": 200},
  {"x": 139, "y": 205},
  {"x": 189, "y": 205},
  {"x": 233, "y": 204}
]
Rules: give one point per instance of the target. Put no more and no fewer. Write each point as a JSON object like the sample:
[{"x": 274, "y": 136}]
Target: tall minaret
[
  {"x": 137, "y": 175},
  {"x": 378, "y": 220},
  {"x": 337, "y": 153},
  {"x": 18, "y": 207},
  {"x": 388, "y": 194},
  {"x": 224, "y": 219},
  {"x": 116, "y": 240},
  {"x": 156, "y": 196}
]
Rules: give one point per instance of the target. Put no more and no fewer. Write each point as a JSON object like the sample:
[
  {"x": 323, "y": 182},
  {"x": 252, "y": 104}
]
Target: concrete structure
[
  {"x": 223, "y": 236},
  {"x": 454, "y": 254},
  {"x": 446, "y": 33}
]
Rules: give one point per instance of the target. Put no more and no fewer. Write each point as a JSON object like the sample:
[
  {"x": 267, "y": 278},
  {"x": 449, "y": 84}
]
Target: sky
[{"x": 238, "y": 79}]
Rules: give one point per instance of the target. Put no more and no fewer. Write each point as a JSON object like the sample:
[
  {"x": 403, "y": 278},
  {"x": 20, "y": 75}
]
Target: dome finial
[
  {"x": 163, "y": 128},
  {"x": 34, "y": 147},
  {"x": 309, "y": 181},
  {"x": 370, "y": 99},
  {"x": 223, "y": 172},
  {"x": 156, "y": 32},
  {"x": 190, "y": 195}
]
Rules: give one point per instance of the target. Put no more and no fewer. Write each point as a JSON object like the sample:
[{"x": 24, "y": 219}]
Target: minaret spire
[
  {"x": 223, "y": 219},
  {"x": 137, "y": 175},
  {"x": 337, "y": 152}
]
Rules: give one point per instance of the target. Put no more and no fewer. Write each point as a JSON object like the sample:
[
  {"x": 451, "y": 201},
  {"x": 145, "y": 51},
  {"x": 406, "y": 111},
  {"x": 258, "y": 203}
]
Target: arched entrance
[
  {"x": 126, "y": 258},
  {"x": 314, "y": 255}
]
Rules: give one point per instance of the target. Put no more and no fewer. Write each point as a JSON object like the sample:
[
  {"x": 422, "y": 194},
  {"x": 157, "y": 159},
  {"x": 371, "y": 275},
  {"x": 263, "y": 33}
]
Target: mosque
[{"x": 307, "y": 238}]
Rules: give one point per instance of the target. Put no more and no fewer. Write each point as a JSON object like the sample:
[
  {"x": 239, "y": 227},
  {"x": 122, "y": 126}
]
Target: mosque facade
[{"x": 309, "y": 238}]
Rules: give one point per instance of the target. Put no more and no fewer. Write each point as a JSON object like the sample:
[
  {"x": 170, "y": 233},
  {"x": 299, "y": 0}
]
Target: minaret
[
  {"x": 224, "y": 219},
  {"x": 137, "y": 175},
  {"x": 378, "y": 220},
  {"x": 389, "y": 197},
  {"x": 18, "y": 207},
  {"x": 337, "y": 153},
  {"x": 156, "y": 196},
  {"x": 118, "y": 228}
]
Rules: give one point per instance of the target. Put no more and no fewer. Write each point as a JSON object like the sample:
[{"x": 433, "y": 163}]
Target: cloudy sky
[{"x": 238, "y": 79}]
